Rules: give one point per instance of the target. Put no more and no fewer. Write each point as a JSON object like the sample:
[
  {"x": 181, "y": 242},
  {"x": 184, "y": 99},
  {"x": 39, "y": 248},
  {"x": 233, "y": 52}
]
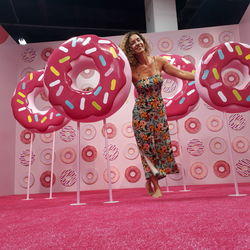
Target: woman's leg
[{"x": 157, "y": 189}]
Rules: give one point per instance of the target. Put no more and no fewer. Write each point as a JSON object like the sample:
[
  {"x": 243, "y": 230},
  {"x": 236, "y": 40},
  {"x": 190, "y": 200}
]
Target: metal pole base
[
  {"x": 109, "y": 202},
  {"x": 49, "y": 198},
  {"x": 27, "y": 199},
  {"x": 185, "y": 190},
  {"x": 236, "y": 195},
  {"x": 78, "y": 204}
]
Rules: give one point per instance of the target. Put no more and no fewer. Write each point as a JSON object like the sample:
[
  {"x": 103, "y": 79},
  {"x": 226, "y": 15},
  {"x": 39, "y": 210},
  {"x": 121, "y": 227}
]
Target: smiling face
[{"x": 136, "y": 44}]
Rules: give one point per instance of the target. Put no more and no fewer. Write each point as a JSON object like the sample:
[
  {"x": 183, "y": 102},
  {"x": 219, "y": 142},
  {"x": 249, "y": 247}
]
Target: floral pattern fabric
[{"x": 151, "y": 128}]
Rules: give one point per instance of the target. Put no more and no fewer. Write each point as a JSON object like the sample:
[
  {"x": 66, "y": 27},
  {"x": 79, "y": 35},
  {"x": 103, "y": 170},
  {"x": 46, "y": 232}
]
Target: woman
[{"x": 149, "y": 116}]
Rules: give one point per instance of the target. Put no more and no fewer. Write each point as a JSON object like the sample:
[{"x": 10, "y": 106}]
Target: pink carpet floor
[{"x": 205, "y": 218}]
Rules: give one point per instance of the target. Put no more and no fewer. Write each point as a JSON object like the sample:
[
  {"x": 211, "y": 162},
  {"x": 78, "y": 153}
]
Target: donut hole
[
  {"x": 235, "y": 75},
  {"x": 84, "y": 74},
  {"x": 36, "y": 103}
]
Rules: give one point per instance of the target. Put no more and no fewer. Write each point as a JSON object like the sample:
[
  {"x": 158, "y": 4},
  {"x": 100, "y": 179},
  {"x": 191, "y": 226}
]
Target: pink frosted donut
[
  {"x": 73, "y": 57},
  {"x": 88, "y": 132},
  {"x": 221, "y": 169},
  {"x": 68, "y": 177},
  {"x": 179, "y": 96},
  {"x": 25, "y": 157},
  {"x": 45, "y": 54},
  {"x": 127, "y": 130},
  {"x": 23, "y": 181},
  {"x": 217, "y": 145},
  {"x": 131, "y": 151},
  {"x": 110, "y": 130},
  {"x": 25, "y": 136},
  {"x": 133, "y": 174},
  {"x": 243, "y": 167},
  {"x": 226, "y": 36},
  {"x": 195, "y": 147},
  {"x": 240, "y": 144},
  {"x": 28, "y": 55},
  {"x": 198, "y": 170},
  {"x": 185, "y": 42},
  {"x": 89, "y": 153},
  {"x": 47, "y": 138},
  {"x": 67, "y": 134},
  {"x": 46, "y": 156},
  {"x": 114, "y": 174},
  {"x": 175, "y": 148},
  {"x": 218, "y": 86},
  {"x": 192, "y": 125},
  {"x": 68, "y": 155},
  {"x": 90, "y": 176},
  {"x": 111, "y": 152},
  {"x": 172, "y": 127},
  {"x": 45, "y": 179},
  {"x": 237, "y": 121},
  {"x": 27, "y": 113},
  {"x": 214, "y": 123},
  {"x": 165, "y": 44},
  {"x": 205, "y": 40}
]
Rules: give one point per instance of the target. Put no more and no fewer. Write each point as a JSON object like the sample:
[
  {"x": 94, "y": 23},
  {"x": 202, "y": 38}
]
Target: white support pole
[
  {"x": 236, "y": 187},
  {"x": 108, "y": 165},
  {"x": 52, "y": 166},
  {"x": 181, "y": 159},
  {"x": 78, "y": 174},
  {"x": 29, "y": 169}
]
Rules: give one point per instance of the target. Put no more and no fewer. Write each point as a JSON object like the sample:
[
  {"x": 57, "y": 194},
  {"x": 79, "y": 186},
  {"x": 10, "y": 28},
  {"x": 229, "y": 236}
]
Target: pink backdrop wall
[
  {"x": 8, "y": 69},
  {"x": 244, "y": 27},
  {"x": 185, "y": 43}
]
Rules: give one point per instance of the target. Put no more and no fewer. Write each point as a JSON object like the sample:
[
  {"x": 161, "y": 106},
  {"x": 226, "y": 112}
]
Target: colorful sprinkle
[
  {"x": 113, "y": 84},
  {"x": 23, "y": 85},
  {"x": 58, "y": 114},
  {"x": 59, "y": 91},
  {"x": 89, "y": 51},
  {"x": 247, "y": 57},
  {"x": 112, "y": 51},
  {"x": 44, "y": 119},
  {"x": 69, "y": 104},
  {"x": 87, "y": 40},
  {"x": 229, "y": 47},
  {"x": 22, "y": 109},
  {"x": 96, "y": 105},
  {"x": 40, "y": 77},
  {"x": 102, "y": 59},
  {"x": 73, "y": 44},
  {"x": 109, "y": 71},
  {"x": 221, "y": 55},
  {"x": 238, "y": 49},
  {"x": 63, "y": 49},
  {"x": 215, "y": 85},
  {"x": 205, "y": 74},
  {"x": 52, "y": 84},
  {"x": 105, "y": 98},
  {"x": 237, "y": 95},
  {"x": 82, "y": 103},
  {"x": 54, "y": 71},
  {"x": 51, "y": 115},
  {"x": 104, "y": 41},
  {"x": 29, "y": 118},
  {"x": 190, "y": 92},
  {"x": 222, "y": 96},
  {"x": 182, "y": 100},
  {"x": 216, "y": 74},
  {"x": 21, "y": 94},
  {"x": 31, "y": 76},
  {"x": 97, "y": 91},
  {"x": 19, "y": 101},
  {"x": 248, "y": 98},
  {"x": 36, "y": 117},
  {"x": 191, "y": 83},
  {"x": 64, "y": 59}
]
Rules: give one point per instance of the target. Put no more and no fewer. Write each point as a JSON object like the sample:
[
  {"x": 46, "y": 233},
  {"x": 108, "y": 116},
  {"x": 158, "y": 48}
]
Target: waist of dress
[{"x": 149, "y": 99}]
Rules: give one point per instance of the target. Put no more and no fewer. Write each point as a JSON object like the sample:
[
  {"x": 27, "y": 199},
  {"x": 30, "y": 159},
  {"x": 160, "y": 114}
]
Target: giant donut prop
[
  {"x": 93, "y": 53},
  {"x": 221, "y": 169},
  {"x": 198, "y": 170},
  {"x": 133, "y": 174},
  {"x": 27, "y": 113},
  {"x": 223, "y": 74},
  {"x": 240, "y": 144},
  {"x": 179, "y": 96}
]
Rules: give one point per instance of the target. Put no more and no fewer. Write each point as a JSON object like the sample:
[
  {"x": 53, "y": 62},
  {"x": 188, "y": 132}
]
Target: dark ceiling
[{"x": 58, "y": 20}]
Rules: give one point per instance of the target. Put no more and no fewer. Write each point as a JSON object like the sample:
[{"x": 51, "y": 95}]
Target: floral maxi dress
[{"x": 151, "y": 128}]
